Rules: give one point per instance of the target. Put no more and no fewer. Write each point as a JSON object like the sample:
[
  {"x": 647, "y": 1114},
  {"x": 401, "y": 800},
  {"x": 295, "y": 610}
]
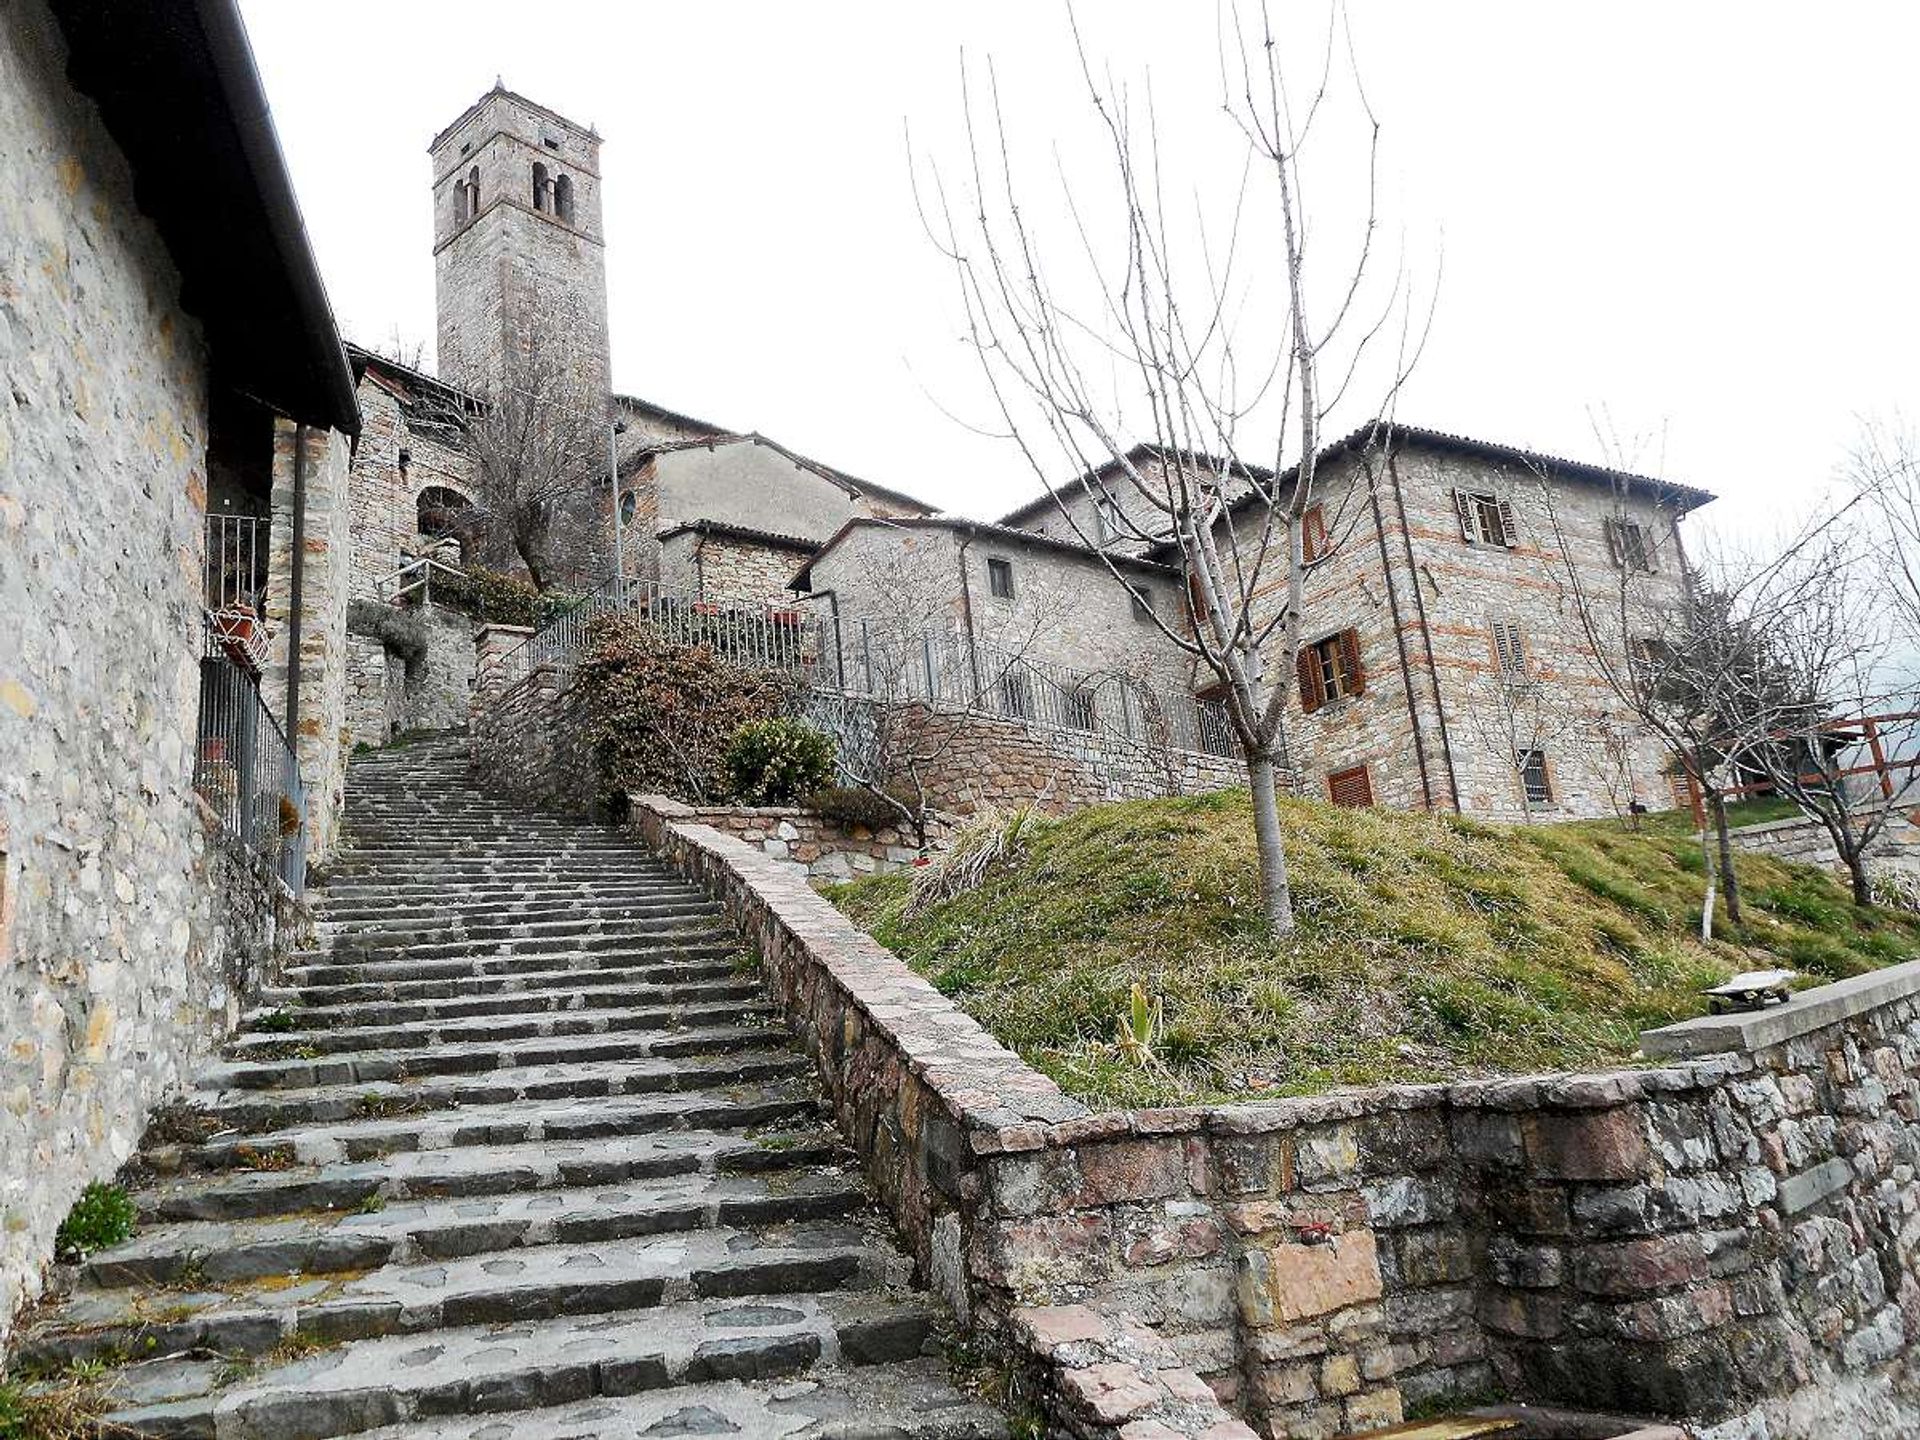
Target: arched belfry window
[
  {"x": 473, "y": 192},
  {"x": 442, "y": 511},
  {"x": 563, "y": 198},
  {"x": 541, "y": 186}
]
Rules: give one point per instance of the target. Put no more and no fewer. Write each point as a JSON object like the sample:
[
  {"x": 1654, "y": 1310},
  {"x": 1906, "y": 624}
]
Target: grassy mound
[{"x": 1427, "y": 947}]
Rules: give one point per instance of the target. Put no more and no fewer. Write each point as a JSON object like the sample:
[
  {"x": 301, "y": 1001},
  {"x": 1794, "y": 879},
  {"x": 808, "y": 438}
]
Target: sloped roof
[
  {"x": 1197, "y": 459},
  {"x": 803, "y": 578},
  {"x": 852, "y": 484}
]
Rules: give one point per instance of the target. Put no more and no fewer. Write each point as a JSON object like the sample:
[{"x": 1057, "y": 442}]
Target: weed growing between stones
[
  {"x": 102, "y": 1217},
  {"x": 246, "y": 1157},
  {"x": 372, "y": 1203},
  {"x": 180, "y": 1123},
  {"x": 277, "y": 1022},
  {"x": 68, "y": 1408}
]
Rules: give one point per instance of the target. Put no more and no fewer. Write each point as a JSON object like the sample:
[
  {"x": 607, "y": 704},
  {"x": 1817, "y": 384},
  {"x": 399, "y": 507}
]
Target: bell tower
[{"x": 520, "y": 274}]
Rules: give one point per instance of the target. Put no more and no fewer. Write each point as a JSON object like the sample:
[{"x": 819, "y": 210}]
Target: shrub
[
  {"x": 103, "y": 1216},
  {"x": 854, "y": 805},
  {"x": 987, "y": 841},
  {"x": 658, "y": 717},
  {"x": 775, "y": 762},
  {"x": 496, "y": 599},
  {"x": 401, "y": 631}
]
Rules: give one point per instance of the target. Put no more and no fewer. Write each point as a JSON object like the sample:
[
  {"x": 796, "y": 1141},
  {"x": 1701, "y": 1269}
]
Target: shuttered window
[
  {"x": 1352, "y": 788},
  {"x": 1485, "y": 519},
  {"x": 1313, "y": 533},
  {"x": 1537, "y": 778},
  {"x": 1329, "y": 669},
  {"x": 1509, "y": 649},
  {"x": 1000, "y": 578},
  {"x": 1630, "y": 545}
]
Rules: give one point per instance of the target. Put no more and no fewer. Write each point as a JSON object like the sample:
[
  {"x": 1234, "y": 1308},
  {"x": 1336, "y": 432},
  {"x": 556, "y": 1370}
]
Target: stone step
[
  {"x": 483, "y": 1369},
  {"x": 483, "y": 1057},
  {"x": 202, "y": 1253},
  {"x": 616, "y": 953},
  {"x": 742, "y": 1107},
  {"x": 504, "y": 928},
  {"x": 580, "y": 974},
  {"x": 254, "y": 1111},
  {"x": 489, "y": 1288},
  {"x": 907, "y": 1400},
  {"x": 425, "y": 921},
  {"x": 483, "y": 1169},
  {"x": 568, "y": 996},
  {"x": 255, "y": 1046}
]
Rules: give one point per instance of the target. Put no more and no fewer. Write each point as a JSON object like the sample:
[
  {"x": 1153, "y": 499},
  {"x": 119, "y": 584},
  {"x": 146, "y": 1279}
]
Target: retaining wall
[
  {"x": 1726, "y": 1237},
  {"x": 819, "y": 847}
]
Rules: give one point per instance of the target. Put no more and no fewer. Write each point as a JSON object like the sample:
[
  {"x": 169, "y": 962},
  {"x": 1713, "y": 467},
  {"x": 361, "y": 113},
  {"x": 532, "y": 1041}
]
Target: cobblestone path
[{"x": 519, "y": 1152}]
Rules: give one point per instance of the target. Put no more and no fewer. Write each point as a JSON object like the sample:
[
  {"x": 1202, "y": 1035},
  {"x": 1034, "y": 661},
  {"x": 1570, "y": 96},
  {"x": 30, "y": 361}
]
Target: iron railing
[
  {"x": 244, "y": 768},
  {"x": 772, "y": 637},
  {"x": 236, "y": 571}
]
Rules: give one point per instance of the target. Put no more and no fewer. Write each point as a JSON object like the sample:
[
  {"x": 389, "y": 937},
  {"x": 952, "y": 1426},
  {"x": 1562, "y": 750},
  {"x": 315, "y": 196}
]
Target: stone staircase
[{"x": 518, "y": 1152}]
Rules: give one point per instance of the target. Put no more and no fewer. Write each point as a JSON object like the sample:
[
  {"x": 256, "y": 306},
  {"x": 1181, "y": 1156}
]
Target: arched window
[
  {"x": 441, "y": 511},
  {"x": 563, "y": 198},
  {"x": 473, "y": 192},
  {"x": 540, "y": 186},
  {"x": 629, "y": 507}
]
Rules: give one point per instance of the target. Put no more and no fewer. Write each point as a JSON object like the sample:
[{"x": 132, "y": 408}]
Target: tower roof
[{"x": 586, "y": 132}]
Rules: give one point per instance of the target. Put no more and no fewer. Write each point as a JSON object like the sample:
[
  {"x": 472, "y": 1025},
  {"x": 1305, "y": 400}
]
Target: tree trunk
[
  {"x": 1276, "y": 894},
  {"x": 1707, "y": 868},
  {"x": 1729, "y": 881},
  {"x": 1857, "y": 873}
]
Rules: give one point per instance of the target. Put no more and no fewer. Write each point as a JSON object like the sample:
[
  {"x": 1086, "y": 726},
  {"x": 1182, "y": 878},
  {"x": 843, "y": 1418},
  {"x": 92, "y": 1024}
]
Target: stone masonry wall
[
  {"x": 1733, "y": 1238},
  {"x": 820, "y": 848},
  {"x": 127, "y": 934},
  {"x": 391, "y": 692}
]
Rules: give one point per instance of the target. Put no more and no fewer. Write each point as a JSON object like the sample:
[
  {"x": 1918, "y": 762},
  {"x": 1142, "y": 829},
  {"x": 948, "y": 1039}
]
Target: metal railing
[
  {"x": 894, "y": 663},
  {"x": 244, "y": 768},
  {"x": 773, "y": 637},
  {"x": 236, "y": 569},
  {"x": 415, "y": 580}
]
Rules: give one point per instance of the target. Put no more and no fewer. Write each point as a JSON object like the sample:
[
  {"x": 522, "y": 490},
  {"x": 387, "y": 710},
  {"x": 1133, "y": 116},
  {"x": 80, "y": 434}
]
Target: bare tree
[
  {"x": 1158, "y": 342},
  {"x": 1519, "y": 718},
  {"x": 538, "y": 446},
  {"x": 1846, "y": 745}
]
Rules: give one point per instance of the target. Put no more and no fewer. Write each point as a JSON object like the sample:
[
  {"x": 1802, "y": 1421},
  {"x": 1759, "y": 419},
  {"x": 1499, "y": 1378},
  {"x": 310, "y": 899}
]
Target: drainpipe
[
  {"x": 966, "y": 612},
  {"x": 297, "y": 583},
  {"x": 1400, "y": 637},
  {"x": 1426, "y": 631}
]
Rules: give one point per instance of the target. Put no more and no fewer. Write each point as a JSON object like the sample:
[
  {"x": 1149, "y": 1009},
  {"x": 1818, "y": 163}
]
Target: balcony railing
[
  {"x": 236, "y": 586},
  {"x": 244, "y": 768}
]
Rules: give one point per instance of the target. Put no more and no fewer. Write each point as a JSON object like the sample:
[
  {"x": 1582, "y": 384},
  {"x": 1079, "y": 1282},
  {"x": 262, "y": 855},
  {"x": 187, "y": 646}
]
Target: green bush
[
  {"x": 103, "y": 1216},
  {"x": 659, "y": 717},
  {"x": 496, "y": 599},
  {"x": 775, "y": 762}
]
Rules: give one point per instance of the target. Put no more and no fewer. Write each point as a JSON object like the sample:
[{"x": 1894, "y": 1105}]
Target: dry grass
[{"x": 1427, "y": 947}]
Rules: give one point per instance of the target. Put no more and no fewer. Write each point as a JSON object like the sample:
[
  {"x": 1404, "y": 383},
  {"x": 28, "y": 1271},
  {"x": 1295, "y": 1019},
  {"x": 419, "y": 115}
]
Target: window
[
  {"x": 439, "y": 511},
  {"x": 1142, "y": 603},
  {"x": 1509, "y": 650},
  {"x": 1680, "y": 787},
  {"x": 1485, "y": 519},
  {"x": 1535, "y": 777},
  {"x": 1107, "y": 522},
  {"x": 1016, "y": 695},
  {"x": 1352, "y": 788},
  {"x": 1630, "y": 545},
  {"x": 1081, "y": 711},
  {"x": 550, "y": 142},
  {"x": 1313, "y": 534},
  {"x": 473, "y": 192},
  {"x": 629, "y": 507},
  {"x": 1329, "y": 669},
  {"x": 563, "y": 198},
  {"x": 1000, "y": 578},
  {"x": 542, "y": 187}
]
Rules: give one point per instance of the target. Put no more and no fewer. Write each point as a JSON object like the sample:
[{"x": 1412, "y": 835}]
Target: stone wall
[
  {"x": 1733, "y": 1238},
  {"x": 130, "y": 926},
  {"x": 390, "y": 692},
  {"x": 818, "y": 847},
  {"x": 984, "y": 762},
  {"x": 526, "y": 743},
  {"x": 1799, "y": 839}
]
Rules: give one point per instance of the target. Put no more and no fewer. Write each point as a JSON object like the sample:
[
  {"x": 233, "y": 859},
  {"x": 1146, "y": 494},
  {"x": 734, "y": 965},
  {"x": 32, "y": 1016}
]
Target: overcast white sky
[{"x": 1698, "y": 219}]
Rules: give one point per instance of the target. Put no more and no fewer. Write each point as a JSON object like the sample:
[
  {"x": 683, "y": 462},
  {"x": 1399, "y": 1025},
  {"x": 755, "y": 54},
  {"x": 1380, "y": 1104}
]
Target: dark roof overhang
[{"x": 179, "y": 92}]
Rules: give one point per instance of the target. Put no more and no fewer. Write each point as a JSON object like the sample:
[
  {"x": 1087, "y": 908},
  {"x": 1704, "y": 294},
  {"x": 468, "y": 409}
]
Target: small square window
[
  {"x": 1485, "y": 519},
  {"x": 1000, "y": 578},
  {"x": 1351, "y": 788},
  {"x": 1632, "y": 546},
  {"x": 1142, "y": 604},
  {"x": 1535, "y": 777},
  {"x": 1313, "y": 534},
  {"x": 550, "y": 144}
]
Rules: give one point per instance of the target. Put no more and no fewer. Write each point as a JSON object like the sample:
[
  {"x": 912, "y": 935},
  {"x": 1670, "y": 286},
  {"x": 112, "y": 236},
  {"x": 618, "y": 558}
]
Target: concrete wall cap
[{"x": 1809, "y": 1010}]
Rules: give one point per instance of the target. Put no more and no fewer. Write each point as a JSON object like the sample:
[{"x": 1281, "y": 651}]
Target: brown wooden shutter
[
  {"x": 1352, "y": 788},
  {"x": 1463, "y": 511},
  {"x": 1351, "y": 670},
  {"x": 1313, "y": 533},
  {"x": 1613, "y": 543},
  {"x": 1509, "y": 532},
  {"x": 1313, "y": 693}
]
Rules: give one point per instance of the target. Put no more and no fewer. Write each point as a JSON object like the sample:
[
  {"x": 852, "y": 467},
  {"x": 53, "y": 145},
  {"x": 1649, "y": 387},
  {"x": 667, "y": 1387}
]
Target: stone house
[
  {"x": 1446, "y": 664},
  {"x": 175, "y": 421}
]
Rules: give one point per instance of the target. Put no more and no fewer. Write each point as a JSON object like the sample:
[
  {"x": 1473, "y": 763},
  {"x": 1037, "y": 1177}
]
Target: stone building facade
[{"x": 155, "y": 367}]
